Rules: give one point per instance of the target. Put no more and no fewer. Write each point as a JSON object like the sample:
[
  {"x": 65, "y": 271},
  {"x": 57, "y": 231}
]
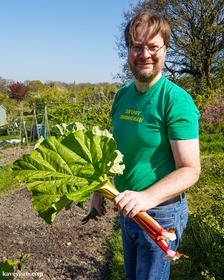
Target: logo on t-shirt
[{"x": 132, "y": 115}]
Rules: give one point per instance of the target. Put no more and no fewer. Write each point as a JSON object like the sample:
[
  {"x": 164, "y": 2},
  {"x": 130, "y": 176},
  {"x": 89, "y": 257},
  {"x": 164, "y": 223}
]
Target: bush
[{"x": 212, "y": 119}]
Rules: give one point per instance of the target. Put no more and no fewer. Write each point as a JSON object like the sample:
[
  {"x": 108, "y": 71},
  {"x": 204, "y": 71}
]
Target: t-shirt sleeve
[{"x": 182, "y": 118}]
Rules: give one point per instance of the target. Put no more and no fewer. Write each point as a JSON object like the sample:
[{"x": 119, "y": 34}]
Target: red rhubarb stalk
[
  {"x": 109, "y": 191},
  {"x": 159, "y": 240},
  {"x": 162, "y": 243},
  {"x": 167, "y": 234},
  {"x": 158, "y": 234}
]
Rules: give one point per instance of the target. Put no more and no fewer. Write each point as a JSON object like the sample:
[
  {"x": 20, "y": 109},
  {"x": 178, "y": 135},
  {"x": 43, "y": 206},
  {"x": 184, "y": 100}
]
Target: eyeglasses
[{"x": 138, "y": 49}]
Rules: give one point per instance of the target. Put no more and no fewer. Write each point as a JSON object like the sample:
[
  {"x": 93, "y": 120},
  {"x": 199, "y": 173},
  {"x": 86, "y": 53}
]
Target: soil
[{"x": 65, "y": 249}]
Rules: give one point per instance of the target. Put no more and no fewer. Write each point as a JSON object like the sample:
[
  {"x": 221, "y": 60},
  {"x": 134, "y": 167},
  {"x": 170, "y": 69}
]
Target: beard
[
  {"x": 146, "y": 75},
  {"x": 142, "y": 77}
]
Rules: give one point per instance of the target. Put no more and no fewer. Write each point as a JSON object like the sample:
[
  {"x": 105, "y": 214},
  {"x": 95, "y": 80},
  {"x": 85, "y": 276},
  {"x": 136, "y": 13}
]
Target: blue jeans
[{"x": 143, "y": 258}]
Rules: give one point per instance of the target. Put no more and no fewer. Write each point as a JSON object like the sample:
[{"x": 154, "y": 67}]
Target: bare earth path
[{"x": 64, "y": 250}]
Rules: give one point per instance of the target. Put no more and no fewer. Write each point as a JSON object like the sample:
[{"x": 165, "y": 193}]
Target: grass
[
  {"x": 203, "y": 239},
  {"x": 211, "y": 177},
  {"x": 8, "y": 137},
  {"x": 114, "y": 246},
  {"x": 211, "y": 143}
]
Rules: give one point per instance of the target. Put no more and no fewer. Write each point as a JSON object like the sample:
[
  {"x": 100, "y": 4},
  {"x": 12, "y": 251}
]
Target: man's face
[{"x": 146, "y": 57}]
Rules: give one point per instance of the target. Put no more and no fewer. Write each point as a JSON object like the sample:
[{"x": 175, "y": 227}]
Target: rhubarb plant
[
  {"x": 65, "y": 170},
  {"x": 69, "y": 169}
]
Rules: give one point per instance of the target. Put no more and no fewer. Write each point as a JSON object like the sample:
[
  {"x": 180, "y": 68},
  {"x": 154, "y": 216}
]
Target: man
[{"x": 155, "y": 125}]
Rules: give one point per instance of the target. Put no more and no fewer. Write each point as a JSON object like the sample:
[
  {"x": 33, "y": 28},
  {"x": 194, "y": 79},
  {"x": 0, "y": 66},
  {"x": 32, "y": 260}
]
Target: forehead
[{"x": 144, "y": 34}]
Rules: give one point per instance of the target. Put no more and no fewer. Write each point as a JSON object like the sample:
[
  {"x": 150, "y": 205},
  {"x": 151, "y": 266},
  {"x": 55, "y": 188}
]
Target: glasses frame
[{"x": 141, "y": 48}]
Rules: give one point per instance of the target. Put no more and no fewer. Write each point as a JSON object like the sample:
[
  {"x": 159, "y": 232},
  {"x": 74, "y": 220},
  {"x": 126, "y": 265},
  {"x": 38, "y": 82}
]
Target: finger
[
  {"x": 124, "y": 201},
  {"x": 134, "y": 211},
  {"x": 119, "y": 197}
]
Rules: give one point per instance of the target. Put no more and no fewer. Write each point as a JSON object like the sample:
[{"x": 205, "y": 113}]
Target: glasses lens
[{"x": 138, "y": 49}]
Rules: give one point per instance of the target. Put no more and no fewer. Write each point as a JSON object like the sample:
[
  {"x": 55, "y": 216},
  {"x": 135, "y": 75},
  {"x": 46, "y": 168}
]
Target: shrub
[{"x": 212, "y": 119}]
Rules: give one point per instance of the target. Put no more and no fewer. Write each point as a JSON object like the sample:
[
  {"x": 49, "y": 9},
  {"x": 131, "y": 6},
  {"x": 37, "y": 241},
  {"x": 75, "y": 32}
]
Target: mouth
[{"x": 145, "y": 65}]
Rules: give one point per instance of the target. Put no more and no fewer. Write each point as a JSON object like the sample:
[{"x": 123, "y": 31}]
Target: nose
[{"x": 145, "y": 52}]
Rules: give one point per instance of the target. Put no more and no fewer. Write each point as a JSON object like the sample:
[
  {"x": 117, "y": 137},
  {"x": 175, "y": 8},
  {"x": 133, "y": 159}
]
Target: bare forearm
[
  {"x": 188, "y": 168},
  {"x": 131, "y": 202},
  {"x": 170, "y": 186}
]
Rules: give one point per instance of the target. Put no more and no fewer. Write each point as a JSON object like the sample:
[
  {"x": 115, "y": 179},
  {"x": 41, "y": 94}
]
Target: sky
[{"x": 61, "y": 40}]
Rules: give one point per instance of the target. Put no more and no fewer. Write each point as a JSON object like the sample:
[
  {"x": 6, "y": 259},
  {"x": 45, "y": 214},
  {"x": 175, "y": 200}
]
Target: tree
[
  {"x": 197, "y": 39},
  {"x": 18, "y": 91},
  {"x": 3, "y": 85},
  {"x": 35, "y": 86},
  {"x": 52, "y": 95}
]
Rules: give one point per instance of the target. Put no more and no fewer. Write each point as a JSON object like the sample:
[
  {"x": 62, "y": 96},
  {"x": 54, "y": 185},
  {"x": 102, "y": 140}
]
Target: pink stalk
[
  {"x": 159, "y": 240},
  {"x": 166, "y": 234},
  {"x": 109, "y": 191},
  {"x": 158, "y": 234}
]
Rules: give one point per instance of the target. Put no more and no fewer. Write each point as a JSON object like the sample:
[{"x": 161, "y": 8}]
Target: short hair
[{"x": 152, "y": 19}]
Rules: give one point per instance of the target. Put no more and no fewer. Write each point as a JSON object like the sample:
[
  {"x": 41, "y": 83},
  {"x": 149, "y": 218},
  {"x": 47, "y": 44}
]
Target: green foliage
[
  {"x": 9, "y": 104},
  {"x": 35, "y": 86},
  {"x": 3, "y": 131},
  {"x": 3, "y": 97},
  {"x": 9, "y": 269},
  {"x": 196, "y": 47},
  {"x": 3, "y": 85},
  {"x": 59, "y": 172},
  {"x": 114, "y": 245},
  {"x": 23, "y": 260},
  {"x": 201, "y": 100},
  {"x": 7, "y": 180},
  {"x": 211, "y": 143},
  {"x": 97, "y": 114},
  {"x": 65, "y": 129},
  {"x": 211, "y": 179},
  {"x": 53, "y": 94},
  {"x": 64, "y": 113},
  {"x": 203, "y": 240},
  {"x": 91, "y": 105},
  {"x": 92, "y": 93},
  {"x": 87, "y": 113}
]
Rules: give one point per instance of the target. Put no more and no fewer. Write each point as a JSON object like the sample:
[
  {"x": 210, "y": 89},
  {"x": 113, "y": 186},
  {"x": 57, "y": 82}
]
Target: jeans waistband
[{"x": 177, "y": 198}]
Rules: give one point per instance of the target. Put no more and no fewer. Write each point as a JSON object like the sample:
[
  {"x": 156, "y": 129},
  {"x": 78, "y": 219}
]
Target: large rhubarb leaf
[{"x": 59, "y": 172}]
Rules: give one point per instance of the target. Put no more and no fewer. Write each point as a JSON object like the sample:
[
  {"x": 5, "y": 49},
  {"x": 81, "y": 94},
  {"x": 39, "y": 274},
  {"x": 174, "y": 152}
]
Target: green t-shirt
[{"x": 143, "y": 123}]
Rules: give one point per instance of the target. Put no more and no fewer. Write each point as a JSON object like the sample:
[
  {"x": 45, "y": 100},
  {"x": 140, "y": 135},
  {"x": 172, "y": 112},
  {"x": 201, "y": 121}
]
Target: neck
[{"x": 140, "y": 86}]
